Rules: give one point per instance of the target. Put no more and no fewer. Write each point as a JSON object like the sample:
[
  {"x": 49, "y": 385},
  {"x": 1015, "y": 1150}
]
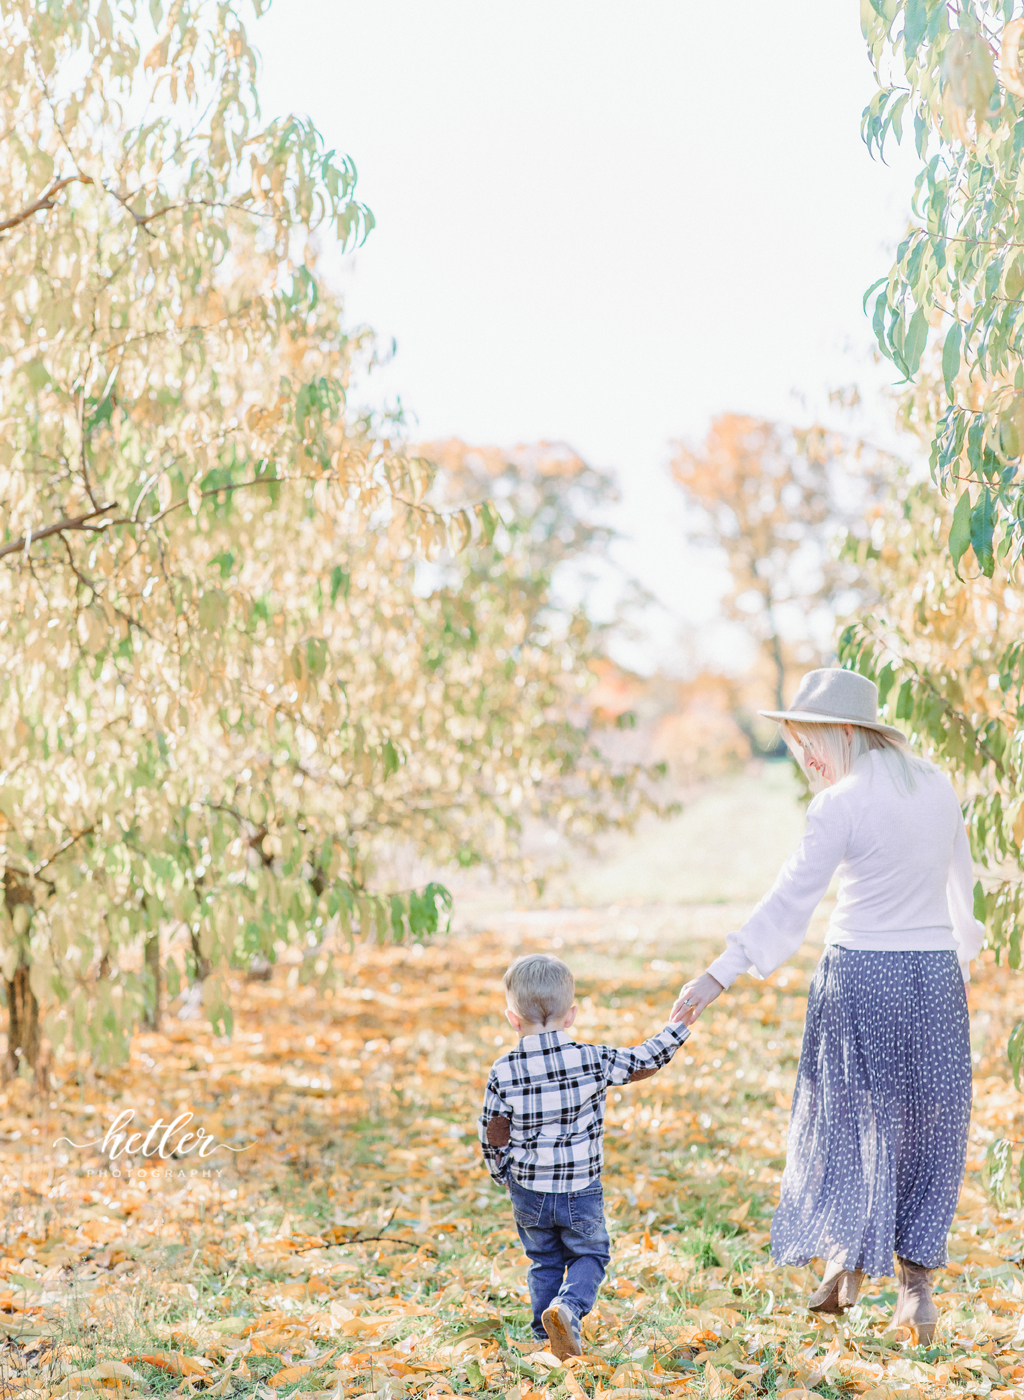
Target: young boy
[{"x": 541, "y": 1130}]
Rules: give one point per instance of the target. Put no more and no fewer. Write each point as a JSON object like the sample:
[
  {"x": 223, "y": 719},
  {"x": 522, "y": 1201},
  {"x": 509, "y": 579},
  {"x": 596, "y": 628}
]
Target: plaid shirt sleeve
[
  {"x": 640, "y": 1061},
  {"x": 495, "y": 1130}
]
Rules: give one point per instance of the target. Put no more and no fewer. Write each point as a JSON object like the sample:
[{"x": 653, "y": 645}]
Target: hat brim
[{"x": 813, "y": 717}]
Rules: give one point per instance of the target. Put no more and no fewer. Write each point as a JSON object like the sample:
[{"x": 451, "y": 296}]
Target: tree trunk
[
  {"x": 775, "y": 647},
  {"x": 155, "y": 987},
  {"x": 24, "y": 1034},
  {"x": 778, "y": 749},
  {"x": 202, "y": 965}
]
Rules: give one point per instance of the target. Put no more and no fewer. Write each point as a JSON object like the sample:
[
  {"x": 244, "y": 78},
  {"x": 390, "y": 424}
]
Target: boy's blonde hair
[{"x": 539, "y": 988}]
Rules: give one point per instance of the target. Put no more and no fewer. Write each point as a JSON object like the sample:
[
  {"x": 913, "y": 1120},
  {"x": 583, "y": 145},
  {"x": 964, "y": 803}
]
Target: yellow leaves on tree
[
  {"x": 776, "y": 502},
  {"x": 228, "y": 687}
]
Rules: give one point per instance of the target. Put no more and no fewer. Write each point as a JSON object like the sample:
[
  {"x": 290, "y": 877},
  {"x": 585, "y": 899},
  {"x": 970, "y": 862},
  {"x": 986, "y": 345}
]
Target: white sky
[{"x": 604, "y": 222}]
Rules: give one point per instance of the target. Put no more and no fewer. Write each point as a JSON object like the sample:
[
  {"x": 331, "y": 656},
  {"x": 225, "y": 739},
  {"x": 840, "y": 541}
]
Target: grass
[{"x": 358, "y": 1244}]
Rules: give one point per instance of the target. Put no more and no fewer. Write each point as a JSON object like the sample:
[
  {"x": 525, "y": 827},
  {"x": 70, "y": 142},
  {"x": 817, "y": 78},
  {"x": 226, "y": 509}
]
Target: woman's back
[
  {"x": 904, "y": 866},
  {"x": 899, "y": 848}
]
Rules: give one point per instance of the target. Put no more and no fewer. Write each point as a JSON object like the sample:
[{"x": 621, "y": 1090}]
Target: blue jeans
[{"x": 565, "y": 1237}]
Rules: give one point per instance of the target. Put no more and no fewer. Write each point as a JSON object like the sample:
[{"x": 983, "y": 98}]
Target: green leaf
[
  {"x": 980, "y": 904},
  {"x": 951, "y": 356},
  {"x": 915, "y": 25},
  {"x": 1015, "y": 1053},
  {"x": 340, "y": 580},
  {"x": 998, "y": 1160},
  {"x": 878, "y": 323},
  {"x": 488, "y": 521},
  {"x": 960, "y": 531},
  {"x": 917, "y": 339},
  {"x": 896, "y": 115},
  {"x": 873, "y": 288},
  {"x": 316, "y": 656},
  {"x": 905, "y": 702},
  {"x": 392, "y": 758},
  {"x": 475, "y": 1375},
  {"x": 983, "y": 524}
]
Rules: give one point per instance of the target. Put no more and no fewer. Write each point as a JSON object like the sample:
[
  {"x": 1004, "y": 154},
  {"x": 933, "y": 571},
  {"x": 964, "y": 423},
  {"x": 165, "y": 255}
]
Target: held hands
[{"x": 695, "y": 997}]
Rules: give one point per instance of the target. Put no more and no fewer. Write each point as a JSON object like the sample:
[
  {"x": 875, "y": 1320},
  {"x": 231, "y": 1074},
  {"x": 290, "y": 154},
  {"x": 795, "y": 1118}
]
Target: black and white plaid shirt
[{"x": 543, "y": 1115}]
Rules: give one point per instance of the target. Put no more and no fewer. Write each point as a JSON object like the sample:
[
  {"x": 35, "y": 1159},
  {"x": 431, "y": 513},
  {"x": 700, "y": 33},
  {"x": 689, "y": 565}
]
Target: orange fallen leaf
[
  {"x": 174, "y": 1362},
  {"x": 573, "y": 1386},
  {"x": 365, "y": 1326},
  {"x": 287, "y": 1375},
  {"x": 259, "y": 1349},
  {"x": 713, "y": 1379}
]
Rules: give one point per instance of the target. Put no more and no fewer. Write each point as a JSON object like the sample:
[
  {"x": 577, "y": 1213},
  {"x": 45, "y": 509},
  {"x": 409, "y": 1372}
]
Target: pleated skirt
[{"x": 878, "y": 1130}]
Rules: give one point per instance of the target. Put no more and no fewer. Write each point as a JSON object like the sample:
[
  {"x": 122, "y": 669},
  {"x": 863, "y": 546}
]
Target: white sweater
[{"x": 905, "y": 878}]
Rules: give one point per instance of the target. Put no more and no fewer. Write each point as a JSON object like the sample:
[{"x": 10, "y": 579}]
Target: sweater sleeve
[
  {"x": 779, "y": 924},
  {"x": 967, "y": 930}
]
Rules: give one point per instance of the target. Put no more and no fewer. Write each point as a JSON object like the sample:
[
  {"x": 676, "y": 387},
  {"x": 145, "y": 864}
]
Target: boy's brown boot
[
  {"x": 837, "y": 1291},
  {"x": 563, "y": 1331},
  {"x": 915, "y": 1306}
]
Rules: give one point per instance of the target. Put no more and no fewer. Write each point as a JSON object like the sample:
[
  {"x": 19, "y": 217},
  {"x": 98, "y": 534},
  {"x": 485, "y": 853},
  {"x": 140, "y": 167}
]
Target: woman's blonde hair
[{"x": 841, "y": 750}]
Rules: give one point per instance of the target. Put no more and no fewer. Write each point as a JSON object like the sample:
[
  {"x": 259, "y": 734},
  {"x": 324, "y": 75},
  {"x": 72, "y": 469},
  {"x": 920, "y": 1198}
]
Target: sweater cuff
[{"x": 730, "y": 965}]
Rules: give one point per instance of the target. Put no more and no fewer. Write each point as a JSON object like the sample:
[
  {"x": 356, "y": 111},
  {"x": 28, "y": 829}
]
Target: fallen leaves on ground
[{"x": 355, "y": 1247}]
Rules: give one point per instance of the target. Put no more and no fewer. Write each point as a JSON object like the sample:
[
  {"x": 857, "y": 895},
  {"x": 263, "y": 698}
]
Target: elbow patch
[
  {"x": 499, "y": 1132},
  {"x": 640, "y": 1074}
]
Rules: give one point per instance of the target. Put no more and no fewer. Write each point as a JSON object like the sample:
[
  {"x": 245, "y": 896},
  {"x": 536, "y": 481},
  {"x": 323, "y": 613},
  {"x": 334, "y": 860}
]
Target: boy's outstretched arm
[
  {"x": 635, "y": 1062},
  {"x": 495, "y": 1130}
]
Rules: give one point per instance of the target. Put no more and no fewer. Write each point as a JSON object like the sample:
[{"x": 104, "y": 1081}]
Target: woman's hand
[{"x": 696, "y": 997}]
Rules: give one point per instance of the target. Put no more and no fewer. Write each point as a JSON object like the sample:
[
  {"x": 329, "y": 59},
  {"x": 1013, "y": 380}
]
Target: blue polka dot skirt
[{"x": 878, "y": 1132}]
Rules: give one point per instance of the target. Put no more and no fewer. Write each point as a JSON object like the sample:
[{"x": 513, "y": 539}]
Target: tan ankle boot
[
  {"x": 915, "y": 1307},
  {"x": 837, "y": 1291}
]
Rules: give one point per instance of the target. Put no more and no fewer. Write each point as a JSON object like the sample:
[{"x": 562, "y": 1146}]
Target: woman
[{"x": 878, "y": 1133}]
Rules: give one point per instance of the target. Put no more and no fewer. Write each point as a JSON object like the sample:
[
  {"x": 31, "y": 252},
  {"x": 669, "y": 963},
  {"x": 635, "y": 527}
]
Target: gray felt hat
[{"x": 832, "y": 696}]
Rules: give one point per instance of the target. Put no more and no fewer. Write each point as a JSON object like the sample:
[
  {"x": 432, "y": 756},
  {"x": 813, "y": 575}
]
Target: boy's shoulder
[{"x": 571, "y": 1053}]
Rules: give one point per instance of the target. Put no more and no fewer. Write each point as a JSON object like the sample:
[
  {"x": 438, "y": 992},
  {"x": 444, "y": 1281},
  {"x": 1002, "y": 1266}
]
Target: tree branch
[
  {"x": 66, "y": 846},
  {"x": 43, "y": 202},
  {"x": 75, "y": 522}
]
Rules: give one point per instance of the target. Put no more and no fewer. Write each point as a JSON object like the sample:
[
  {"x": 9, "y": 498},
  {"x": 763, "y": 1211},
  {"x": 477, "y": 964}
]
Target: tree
[
  {"x": 959, "y": 272},
  {"x": 223, "y": 690},
  {"x": 956, "y": 283},
  {"x": 172, "y": 392},
  {"x": 945, "y": 644},
  {"x": 775, "y": 500}
]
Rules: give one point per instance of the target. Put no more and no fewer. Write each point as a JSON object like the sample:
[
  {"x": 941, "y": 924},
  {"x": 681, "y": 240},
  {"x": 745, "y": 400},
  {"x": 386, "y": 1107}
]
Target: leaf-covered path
[{"x": 359, "y": 1244}]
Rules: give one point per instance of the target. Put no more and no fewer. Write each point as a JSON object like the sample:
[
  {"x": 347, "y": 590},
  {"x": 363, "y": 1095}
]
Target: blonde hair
[
  {"x": 840, "y": 751},
  {"x": 539, "y": 988}
]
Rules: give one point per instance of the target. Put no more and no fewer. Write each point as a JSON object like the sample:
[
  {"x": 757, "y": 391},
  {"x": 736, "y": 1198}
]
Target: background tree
[
  {"x": 775, "y": 501},
  {"x": 224, "y": 688}
]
